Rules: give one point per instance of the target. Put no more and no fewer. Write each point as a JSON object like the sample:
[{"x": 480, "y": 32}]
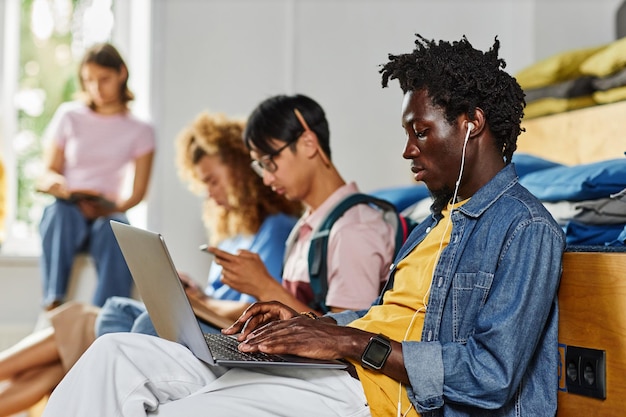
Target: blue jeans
[
  {"x": 65, "y": 232},
  {"x": 120, "y": 314}
]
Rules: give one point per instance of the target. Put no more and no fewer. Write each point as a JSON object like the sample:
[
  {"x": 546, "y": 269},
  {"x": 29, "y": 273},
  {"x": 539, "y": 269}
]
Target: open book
[
  {"x": 99, "y": 199},
  {"x": 80, "y": 195}
]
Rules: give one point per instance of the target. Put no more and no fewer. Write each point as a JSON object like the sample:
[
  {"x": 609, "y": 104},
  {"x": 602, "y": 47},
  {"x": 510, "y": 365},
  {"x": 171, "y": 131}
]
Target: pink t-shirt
[
  {"x": 98, "y": 148},
  {"x": 360, "y": 251}
]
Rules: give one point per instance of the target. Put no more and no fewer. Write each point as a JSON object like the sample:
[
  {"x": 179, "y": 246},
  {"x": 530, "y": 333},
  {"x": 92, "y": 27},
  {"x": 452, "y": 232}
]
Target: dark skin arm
[{"x": 272, "y": 327}]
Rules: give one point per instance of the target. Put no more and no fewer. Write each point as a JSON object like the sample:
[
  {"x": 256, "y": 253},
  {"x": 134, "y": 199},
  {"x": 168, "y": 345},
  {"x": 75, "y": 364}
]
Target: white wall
[
  {"x": 560, "y": 25},
  {"x": 227, "y": 55}
]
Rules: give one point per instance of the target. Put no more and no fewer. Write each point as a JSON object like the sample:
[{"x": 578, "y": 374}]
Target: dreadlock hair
[{"x": 459, "y": 78}]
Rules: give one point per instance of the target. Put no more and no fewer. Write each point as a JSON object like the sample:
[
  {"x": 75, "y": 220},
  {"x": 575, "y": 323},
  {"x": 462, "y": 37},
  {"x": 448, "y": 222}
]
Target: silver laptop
[{"x": 162, "y": 292}]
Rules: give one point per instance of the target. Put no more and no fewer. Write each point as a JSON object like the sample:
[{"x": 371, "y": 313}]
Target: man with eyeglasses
[
  {"x": 293, "y": 159},
  {"x": 288, "y": 138}
]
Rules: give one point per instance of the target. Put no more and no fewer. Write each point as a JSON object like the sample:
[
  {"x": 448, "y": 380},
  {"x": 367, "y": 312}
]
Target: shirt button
[
  {"x": 440, "y": 282},
  {"x": 391, "y": 267},
  {"x": 430, "y": 335},
  {"x": 428, "y": 230}
]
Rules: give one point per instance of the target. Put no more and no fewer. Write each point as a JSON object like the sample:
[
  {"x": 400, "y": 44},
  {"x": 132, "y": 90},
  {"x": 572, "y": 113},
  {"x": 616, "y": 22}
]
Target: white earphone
[{"x": 470, "y": 127}]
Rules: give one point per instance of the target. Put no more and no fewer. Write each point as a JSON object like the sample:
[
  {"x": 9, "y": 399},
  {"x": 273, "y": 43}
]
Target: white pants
[{"x": 127, "y": 374}]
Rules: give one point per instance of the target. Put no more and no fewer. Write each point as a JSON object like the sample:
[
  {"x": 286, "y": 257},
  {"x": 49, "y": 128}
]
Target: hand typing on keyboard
[{"x": 273, "y": 328}]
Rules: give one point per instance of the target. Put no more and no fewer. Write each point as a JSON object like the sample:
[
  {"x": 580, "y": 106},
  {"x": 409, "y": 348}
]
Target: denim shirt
[{"x": 489, "y": 342}]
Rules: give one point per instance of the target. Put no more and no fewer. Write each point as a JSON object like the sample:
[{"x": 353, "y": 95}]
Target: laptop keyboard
[{"x": 225, "y": 347}]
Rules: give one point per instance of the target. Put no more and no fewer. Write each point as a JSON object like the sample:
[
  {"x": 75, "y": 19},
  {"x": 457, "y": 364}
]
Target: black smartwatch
[{"x": 376, "y": 352}]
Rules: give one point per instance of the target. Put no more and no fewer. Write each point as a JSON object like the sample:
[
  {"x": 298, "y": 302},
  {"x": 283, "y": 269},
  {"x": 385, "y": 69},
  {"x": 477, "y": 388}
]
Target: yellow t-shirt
[{"x": 401, "y": 316}]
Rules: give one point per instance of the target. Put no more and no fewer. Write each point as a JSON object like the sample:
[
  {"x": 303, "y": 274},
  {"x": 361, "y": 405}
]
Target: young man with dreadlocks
[{"x": 466, "y": 326}]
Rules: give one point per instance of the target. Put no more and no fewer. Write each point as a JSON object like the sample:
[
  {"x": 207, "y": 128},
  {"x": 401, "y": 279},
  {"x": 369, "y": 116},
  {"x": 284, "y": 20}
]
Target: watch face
[{"x": 376, "y": 353}]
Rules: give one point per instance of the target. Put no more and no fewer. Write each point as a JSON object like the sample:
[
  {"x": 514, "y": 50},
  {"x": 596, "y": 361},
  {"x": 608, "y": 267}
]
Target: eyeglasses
[{"x": 266, "y": 162}]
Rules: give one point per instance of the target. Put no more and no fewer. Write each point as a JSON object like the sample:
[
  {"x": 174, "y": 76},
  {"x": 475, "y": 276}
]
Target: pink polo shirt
[
  {"x": 360, "y": 251},
  {"x": 98, "y": 148}
]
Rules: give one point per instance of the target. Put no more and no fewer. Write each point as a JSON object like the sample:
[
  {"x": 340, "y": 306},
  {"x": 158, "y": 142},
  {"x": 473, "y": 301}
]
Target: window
[{"x": 42, "y": 41}]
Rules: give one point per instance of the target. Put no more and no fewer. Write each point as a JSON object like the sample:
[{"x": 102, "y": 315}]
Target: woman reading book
[
  {"x": 90, "y": 144},
  {"x": 239, "y": 213}
]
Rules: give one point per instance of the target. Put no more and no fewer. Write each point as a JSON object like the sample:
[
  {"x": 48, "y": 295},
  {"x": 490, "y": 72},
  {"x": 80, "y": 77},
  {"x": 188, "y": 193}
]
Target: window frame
[{"x": 131, "y": 34}]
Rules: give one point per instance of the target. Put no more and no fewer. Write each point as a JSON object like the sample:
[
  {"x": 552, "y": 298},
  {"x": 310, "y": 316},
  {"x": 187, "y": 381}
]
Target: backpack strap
[{"x": 318, "y": 251}]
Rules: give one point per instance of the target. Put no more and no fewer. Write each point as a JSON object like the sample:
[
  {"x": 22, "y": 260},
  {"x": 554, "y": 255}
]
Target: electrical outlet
[{"x": 585, "y": 371}]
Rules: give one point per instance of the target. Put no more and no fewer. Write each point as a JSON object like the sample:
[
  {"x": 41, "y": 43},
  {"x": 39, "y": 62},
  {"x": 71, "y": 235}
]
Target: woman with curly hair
[{"x": 239, "y": 213}]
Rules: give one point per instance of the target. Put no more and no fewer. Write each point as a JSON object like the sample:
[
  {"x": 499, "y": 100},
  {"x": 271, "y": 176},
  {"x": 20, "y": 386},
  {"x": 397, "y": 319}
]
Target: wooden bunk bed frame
[
  {"x": 579, "y": 136},
  {"x": 592, "y": 294}
]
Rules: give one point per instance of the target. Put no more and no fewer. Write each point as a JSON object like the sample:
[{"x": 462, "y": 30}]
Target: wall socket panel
[{"x": 585, "y": 371}]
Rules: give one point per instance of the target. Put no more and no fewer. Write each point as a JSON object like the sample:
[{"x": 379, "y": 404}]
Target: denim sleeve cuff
[
  {"x": 424, "y": 366},
  {"x": 343, "y": 318}
]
